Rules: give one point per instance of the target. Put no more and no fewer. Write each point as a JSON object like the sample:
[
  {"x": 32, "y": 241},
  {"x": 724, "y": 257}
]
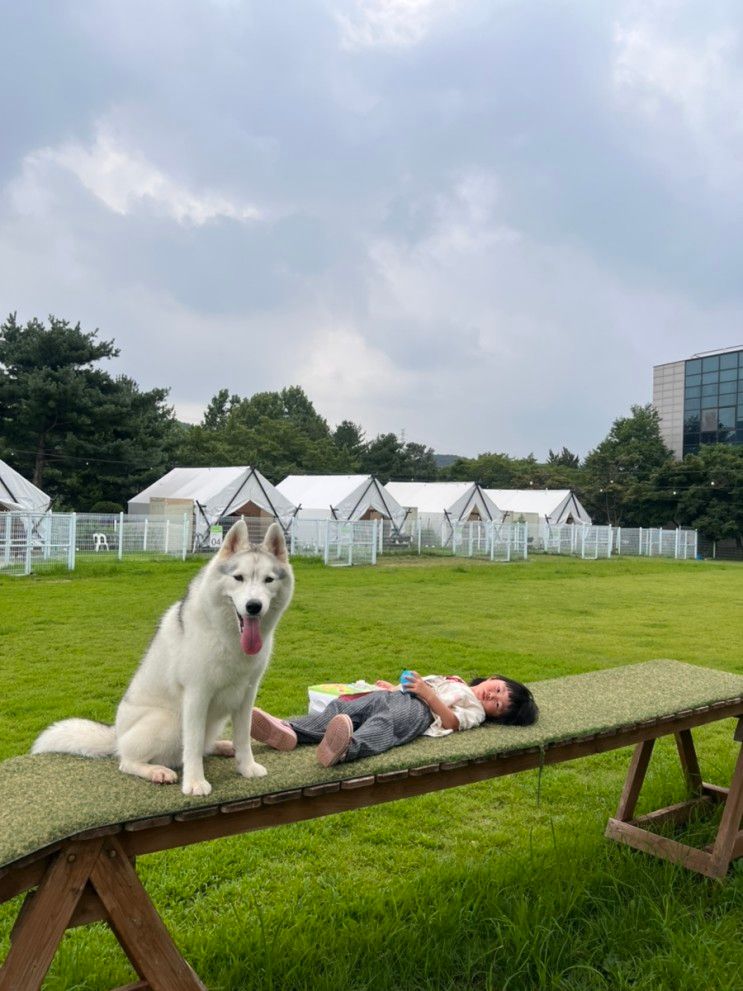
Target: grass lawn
[{"x": 507, "y": 884}]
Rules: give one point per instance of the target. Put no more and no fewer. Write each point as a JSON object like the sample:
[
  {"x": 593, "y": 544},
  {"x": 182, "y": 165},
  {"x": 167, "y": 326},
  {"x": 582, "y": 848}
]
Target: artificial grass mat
[{"x": 50, "y": 797}]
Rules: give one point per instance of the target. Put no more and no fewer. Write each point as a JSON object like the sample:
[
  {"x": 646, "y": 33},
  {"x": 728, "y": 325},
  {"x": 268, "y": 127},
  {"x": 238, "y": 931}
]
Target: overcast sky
[{"x": 477, "y": 221}]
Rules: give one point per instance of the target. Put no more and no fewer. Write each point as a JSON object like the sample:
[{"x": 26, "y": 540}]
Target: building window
[
  {"x": 709, "y": 419},
  {"x": 713, "y": 400},
  {"x": 726, "y": 417}
]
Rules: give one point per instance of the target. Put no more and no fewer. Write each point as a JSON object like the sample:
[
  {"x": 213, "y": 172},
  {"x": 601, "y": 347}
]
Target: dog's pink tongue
[{"x": 250, "y": 638}]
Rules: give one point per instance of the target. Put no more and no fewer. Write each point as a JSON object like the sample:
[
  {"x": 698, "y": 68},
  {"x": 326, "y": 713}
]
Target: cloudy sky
[{"x": 478, "y": 221}]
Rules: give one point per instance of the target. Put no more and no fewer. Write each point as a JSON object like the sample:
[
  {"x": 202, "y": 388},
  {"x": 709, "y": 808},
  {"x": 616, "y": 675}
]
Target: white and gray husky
[{"x": 203, "y": 666}]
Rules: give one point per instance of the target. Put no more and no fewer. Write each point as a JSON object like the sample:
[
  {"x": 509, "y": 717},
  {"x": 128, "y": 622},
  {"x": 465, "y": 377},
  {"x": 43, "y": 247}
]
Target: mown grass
[{"x": 505, "y": 884}]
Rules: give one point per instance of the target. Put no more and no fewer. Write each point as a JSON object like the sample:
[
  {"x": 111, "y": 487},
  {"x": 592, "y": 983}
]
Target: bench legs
[
  {"x": 714, "y": 860},
  {"x": 87, "y": 881}
]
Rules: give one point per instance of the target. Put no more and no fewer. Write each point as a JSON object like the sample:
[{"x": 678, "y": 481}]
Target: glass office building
[{"x": 700, "y": 400}]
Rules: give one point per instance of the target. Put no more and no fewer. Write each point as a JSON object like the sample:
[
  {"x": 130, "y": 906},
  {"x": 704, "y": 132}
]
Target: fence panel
[
  {"x": 596, "y": 542},
  {"x": 350, "y": 542},
  {"x": 118, "y": 535},
  {"x": 307, "y": 537},
  {"x": 492, "y": 541},
  {"x": 36, "y": 542}
]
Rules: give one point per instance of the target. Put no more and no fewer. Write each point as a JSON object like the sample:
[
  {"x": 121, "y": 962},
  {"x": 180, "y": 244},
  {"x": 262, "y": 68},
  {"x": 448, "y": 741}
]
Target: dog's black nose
[{"x": 253, "y": 607}]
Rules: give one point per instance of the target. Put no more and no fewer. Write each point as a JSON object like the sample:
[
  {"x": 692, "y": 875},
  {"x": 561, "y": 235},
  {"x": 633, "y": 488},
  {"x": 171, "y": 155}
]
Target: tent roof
[
  {"x": 453, "y": 499},
  {"x": 544, "y": 502},
  {"x": 200, "y": 484},
  {"x": 17, "y": 493},
  {"x": 428, "y": 497},
  {"x": 320, "y": 491},
  {"x": 218, "y": 491},
  {"x": 347, "y": 496}
]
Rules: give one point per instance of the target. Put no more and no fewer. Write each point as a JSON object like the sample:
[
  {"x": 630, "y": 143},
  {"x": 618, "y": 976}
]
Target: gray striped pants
[{"x": 381, "y": 721}]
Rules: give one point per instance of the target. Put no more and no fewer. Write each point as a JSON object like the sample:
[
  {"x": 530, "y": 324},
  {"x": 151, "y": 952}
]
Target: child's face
[{"x": 493, "y": 696}]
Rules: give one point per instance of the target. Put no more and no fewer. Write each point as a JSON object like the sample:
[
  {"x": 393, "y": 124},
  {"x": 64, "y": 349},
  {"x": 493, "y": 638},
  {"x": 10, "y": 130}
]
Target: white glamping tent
[
  {"x": 211, "y": 494},
  {"x": 341, "y": 497},
  {"x": 19, "y": 495},
  {"x": 548, "y": 506},
  {"x": 444, "y": 503}
]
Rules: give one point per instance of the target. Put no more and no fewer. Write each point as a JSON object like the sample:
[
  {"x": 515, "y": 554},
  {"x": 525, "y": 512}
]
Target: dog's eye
[
  {"x": 238, "y": 578},
  {"x": 268, "y": 579}
]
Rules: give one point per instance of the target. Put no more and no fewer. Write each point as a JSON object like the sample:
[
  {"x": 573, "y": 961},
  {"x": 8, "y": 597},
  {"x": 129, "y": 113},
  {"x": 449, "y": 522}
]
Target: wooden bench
[{"x": 82, "y": 869}]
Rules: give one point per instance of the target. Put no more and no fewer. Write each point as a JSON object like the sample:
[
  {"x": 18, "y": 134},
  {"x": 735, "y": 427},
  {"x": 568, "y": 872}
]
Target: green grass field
[{"x": 505, "y": 884}]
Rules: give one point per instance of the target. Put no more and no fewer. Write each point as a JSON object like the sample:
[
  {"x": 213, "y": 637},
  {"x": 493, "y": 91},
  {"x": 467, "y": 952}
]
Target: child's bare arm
[
  {"x": 386, "y": 685},
  {"x": 426, "y": 694}
]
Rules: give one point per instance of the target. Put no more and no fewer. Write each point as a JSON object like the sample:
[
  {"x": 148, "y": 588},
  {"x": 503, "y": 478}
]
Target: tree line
[{"x": 92, "y": 441}]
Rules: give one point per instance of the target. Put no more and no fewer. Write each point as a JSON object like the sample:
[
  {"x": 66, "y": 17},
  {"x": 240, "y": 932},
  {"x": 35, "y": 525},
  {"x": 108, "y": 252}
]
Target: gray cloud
[{"x": 479, "y": 222}]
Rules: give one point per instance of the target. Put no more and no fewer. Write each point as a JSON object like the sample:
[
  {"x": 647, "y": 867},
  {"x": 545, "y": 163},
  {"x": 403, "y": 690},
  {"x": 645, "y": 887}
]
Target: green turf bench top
[{"x": 50, "y": 797}]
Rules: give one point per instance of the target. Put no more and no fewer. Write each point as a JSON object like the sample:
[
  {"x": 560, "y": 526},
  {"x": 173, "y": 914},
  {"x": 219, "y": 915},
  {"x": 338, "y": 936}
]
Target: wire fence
[
  {"x": 656, "y": 542},
  {"x": 34, "y": 542},
  {"x": 730, "y": 549}
]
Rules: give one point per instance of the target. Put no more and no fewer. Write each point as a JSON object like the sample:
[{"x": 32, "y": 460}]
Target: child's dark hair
[{"x": 522, "y": 711}]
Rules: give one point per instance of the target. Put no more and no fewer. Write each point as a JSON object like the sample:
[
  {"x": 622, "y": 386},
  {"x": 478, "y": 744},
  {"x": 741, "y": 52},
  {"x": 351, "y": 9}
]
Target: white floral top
[{"x": 461, "y": 700}]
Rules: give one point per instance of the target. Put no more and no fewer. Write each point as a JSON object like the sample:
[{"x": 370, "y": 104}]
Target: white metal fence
[
  {"x": 654, "y": 542},
  {"x": 35, "y": 542},
  {"x": 32, "y": 540},
  {"x": 590, "y": 542},
  {"x": 337, "y": 542},
  {"x": 41, "y": 541},
  {"x": 123, "y": 535},
  {"x": 493, "y": 541}
]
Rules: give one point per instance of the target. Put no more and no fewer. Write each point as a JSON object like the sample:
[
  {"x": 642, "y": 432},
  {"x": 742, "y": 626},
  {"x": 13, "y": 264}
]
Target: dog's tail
[{"x": 77, "y": 736}]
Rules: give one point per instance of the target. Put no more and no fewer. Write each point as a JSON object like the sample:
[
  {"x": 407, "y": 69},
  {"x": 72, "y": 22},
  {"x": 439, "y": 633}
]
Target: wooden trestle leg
[
  {"x": 100, "y": 870},
  {"x": 714, "y": 860}
]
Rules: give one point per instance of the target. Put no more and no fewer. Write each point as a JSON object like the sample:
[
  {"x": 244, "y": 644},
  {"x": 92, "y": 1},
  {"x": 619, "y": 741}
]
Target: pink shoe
[
  {"x": 272, "y": 731},
  {"x": 334, "y": 744}
]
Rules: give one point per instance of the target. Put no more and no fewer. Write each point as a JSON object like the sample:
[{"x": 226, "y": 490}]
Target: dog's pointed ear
[
  {"x": 236, "y": 540},
  {"x": 275, "y": 543}
]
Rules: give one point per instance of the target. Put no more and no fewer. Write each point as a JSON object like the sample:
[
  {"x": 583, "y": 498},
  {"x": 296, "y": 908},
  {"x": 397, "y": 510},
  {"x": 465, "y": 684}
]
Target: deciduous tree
[{"x": 627, "y": 457}]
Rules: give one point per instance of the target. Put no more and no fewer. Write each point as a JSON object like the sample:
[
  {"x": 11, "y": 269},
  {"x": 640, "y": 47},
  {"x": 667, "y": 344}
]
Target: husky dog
[{"x": 203, "y": 666}]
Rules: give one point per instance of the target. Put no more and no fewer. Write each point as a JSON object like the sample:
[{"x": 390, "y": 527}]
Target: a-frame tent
[
  {"x": 437, "y": 503},
  {"x": 17, "y": 494},
  {"x": 341, "y": 497},
  {"x": 550, "y": 506},
  {"x": 212, "y": 494}
]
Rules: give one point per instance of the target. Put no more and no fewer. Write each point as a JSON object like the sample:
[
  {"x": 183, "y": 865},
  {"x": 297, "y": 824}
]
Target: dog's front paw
[
  {"x": 197, "y": 787},
  {"x": 252, "y": 769},
  {"x": 163, "y": 776}
]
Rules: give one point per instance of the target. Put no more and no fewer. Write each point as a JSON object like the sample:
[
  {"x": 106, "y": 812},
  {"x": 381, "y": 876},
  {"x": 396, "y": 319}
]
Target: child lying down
[{"x": 436, "y": 705}]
